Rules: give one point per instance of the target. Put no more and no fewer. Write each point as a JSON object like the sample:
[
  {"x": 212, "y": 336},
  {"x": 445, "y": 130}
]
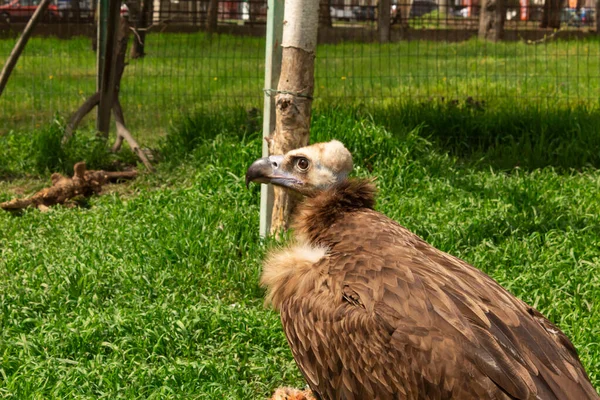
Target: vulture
[{"x": 372, "y": 311}]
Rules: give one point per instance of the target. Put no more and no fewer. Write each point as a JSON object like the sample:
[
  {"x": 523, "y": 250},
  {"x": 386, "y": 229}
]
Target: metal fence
[{"x": 431, "y": 52}]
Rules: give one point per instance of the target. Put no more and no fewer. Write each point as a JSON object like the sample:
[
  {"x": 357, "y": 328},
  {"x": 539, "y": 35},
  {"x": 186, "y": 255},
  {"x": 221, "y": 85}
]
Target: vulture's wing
[{"x": 390, "y": 309}]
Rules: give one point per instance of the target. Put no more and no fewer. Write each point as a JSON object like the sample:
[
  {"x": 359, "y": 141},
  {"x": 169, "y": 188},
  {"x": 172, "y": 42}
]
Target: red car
[{"x": 22, "y": 10}]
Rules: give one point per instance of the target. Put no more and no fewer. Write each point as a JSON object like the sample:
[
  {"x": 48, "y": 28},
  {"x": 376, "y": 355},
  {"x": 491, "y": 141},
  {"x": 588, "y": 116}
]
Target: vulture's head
[{"x": 308, "y": 170}]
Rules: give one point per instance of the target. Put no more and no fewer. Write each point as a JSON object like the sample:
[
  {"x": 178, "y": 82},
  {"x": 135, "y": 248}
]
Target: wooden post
[
  {"x": 598, "y": 17},
  {"x": 491, "y": 19},
  {"x": 212, "y": 19},
  {"x": 272, "y": 72},
  {"x": 21, "y": 43},
  {"x": 106, "y": 67},
  {"x": 324, "y": 14},
  {"x": 295, "y": 90},
  {"x": 383, "y": 22}
]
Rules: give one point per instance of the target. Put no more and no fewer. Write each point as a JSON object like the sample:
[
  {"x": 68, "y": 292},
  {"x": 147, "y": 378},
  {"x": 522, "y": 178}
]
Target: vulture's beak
[{"x": 268, "y": 170}]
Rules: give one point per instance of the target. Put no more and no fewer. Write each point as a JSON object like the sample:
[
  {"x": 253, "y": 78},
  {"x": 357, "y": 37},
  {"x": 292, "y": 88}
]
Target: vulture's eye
[{"x": 302, "y": 164}]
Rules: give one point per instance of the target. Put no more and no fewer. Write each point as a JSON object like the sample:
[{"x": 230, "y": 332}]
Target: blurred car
[
  {"x": 570, "y": 17},
  {"x": 364, "y": 13},
  {"x": 343, "y": 13},
  {"x": 578, "y": 18},
  {"x": 461, "y": 11},
  {"x": 588, "y": 16},
  {"x": 22, "y": 10},
  {"x": 422, "y": 7},
  {"x": 67, "y": 10}
]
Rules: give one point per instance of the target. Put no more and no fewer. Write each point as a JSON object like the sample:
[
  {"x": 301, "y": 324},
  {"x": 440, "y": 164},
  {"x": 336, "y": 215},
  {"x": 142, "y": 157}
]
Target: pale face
[{"x": 308, "y": 170}]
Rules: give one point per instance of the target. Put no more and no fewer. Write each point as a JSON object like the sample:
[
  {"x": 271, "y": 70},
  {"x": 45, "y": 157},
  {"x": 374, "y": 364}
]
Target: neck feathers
[{"x": 318, "y": 213}]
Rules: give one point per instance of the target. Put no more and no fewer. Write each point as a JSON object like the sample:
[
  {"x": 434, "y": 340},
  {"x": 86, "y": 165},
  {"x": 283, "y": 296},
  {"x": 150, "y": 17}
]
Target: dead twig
[{"x": 65, "y": 190}]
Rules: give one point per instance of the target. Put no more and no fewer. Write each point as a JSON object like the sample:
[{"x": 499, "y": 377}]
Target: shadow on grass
[
  {"x": 476, "y": 134},
  {"x": 503, "y": 136}
]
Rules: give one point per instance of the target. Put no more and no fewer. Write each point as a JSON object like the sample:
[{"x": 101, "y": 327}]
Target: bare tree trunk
[
  {"x": 445, "y": 7},
  {"x": 324, "y": 14},
  {"x": 123, "y": 133},
  {"x": 491, "y": 19},
  {"x": 213, "y": 16},
  {"x": 109, "y": 72},
  {"x": 551, "y": 14},
  {"x": 203, "y": 11},
  {"x": 383, "y": 24},
  {"x": 254, "y": 7},
  {"x": 294, "y": 100},
  {"x": 597, "y": 17},
  {"x": 194, "y": 12},
  {"x": 402, "y": 13},
  {"x": 76, "y": 10},
  {"x": 141, "y": 22}
]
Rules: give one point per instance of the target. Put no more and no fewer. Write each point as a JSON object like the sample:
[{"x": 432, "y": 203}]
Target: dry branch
[
  {"x": 64, "y": 190},
  {"x": 135, "y": 147},
  {"x": 76, "y": 118}
]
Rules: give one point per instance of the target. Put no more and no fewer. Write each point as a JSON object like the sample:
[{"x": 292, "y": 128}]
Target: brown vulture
[{"x": 371, "y": 311}]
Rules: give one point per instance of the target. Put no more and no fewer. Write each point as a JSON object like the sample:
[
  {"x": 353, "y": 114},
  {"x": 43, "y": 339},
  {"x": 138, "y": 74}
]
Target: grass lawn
[
  {"x": 152, "y": 291},
  {"x": 186, "y": 71}
]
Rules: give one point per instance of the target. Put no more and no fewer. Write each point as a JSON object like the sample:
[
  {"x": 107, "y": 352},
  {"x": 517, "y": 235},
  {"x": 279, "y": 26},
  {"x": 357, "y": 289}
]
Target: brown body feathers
[{"x": 372, "y": 312}]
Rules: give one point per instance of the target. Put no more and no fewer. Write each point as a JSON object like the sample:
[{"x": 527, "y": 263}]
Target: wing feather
[{"x": 395, "y": 318}]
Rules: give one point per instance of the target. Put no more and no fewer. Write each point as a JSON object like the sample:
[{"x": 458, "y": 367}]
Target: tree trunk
[
  {"x": 402, "y": 13},
  {"x": 194, "y": 12},
  {"x": 213, "y": 16},
  {"x": 76, "y": 10},
  {"x": 324, "y": 14},
  {"x": 551, "y": 14},
  {"x": 118, "y": 68},
  {"x": 109, "y": 72},
  {"x": 254, "y": 8},
  {"x": 296, "y": 85},
  {"x": 445, "y": 7},
  {"x": 383, "y": 23},
  {"x": 597, "y": 17},
  {"x": 491, "y": 20},
  {"x": 141, "y": 22}
]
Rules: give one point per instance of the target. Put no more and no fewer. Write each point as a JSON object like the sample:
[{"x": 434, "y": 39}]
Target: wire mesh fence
[{"x": 431, "y": 53}]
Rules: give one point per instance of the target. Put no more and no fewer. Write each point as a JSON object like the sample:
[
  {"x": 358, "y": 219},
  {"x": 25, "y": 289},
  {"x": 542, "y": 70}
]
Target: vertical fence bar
[
  {"x": 101, "y": 15},
  {"x": 108, "y": 28},
  {"x": 272, "y": 72}
]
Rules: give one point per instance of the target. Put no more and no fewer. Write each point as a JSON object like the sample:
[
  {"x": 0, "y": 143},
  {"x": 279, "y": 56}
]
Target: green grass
[
  {"x": 152, "y": 291},
  {"x": 183, "y": 72}
]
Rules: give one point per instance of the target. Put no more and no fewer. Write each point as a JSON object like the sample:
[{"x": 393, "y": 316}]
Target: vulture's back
[{"x": 377, "y": 313}]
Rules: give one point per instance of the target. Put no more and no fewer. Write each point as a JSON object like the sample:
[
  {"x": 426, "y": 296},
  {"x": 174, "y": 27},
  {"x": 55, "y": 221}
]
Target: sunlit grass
[
  {"x": 183, "y": 72},
  {"x": 152, "y": 292}
]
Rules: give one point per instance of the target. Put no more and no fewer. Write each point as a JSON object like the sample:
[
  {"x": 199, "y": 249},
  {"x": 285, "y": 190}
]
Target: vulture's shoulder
[{"x": 439, "y": 314}]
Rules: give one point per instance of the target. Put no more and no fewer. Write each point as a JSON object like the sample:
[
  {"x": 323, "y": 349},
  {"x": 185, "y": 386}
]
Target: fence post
[
  {"x": 294, "y": 95},
  {"x": 384, "y": 21},
  {"x": 272, "y": 71},
  {"x": 108, "y": 26}
]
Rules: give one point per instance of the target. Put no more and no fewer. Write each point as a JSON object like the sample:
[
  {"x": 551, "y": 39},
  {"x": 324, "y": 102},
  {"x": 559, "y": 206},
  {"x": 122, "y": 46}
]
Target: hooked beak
[{"x": 268, "y": 170}]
